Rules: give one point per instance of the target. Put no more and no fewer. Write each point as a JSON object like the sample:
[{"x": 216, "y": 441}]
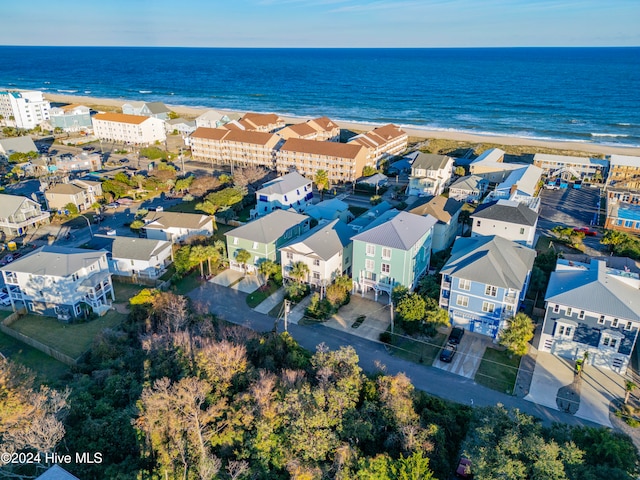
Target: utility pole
[
  {"x": 287, "y": 304},
  {"x": 391, "y": 311}
]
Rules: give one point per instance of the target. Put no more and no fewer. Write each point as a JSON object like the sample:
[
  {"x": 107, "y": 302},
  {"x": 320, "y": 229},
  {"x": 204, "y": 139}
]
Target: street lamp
[{"x": 88, "y": 224}]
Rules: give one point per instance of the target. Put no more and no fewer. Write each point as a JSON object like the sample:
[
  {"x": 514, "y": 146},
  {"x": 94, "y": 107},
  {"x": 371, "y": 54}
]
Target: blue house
[{"x": 484, "y": 281}]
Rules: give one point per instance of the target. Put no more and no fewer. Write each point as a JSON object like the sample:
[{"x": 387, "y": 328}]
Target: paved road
[{"x": 231, "y": 306}]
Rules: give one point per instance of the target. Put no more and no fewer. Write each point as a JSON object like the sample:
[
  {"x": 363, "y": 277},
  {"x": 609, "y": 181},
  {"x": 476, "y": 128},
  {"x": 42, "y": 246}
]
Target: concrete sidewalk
[{"x": 268, "y": 304}]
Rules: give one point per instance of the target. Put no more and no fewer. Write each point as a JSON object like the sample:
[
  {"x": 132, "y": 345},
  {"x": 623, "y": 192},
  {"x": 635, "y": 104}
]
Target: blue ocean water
[{"x": 577, "y": 94}]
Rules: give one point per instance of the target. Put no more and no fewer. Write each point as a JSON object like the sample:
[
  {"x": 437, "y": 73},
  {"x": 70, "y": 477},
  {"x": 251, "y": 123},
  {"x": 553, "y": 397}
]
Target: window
[
  {"x": 235, "y": 240},
  {"x": 477, "y": 223},
  {"x": 289, "y": 256},
  {"x": 581, "y": 315},
  {"x": 508, "y": 307},
  {"x": 316, "y": 262},
  {"x": 371, "y": 250},
  {"x": 614, "y": 323},
  {"x": 369, "y": 265},
  {"x": 565, "y": 330},
  {"x": 316, "y": 275},
  {"x": 386, "y": 253},
  {"x": 464, "y": 284},
  {"x": 522, "y": 231},
  {"x": 255, "y": 245},
  {"x": 386, "y": 268},
  {"x": 628, "y": 326},
  {"x": 491, "y": 291},
  {"x": 569, "y": 311},
  {"x": 609, "y": 342},
  {"x": 462, "y": 301},
  {"x": 488, "y": 307},
  {"x": 556, "y": 308},
  {"x": 601, "y": 320}
]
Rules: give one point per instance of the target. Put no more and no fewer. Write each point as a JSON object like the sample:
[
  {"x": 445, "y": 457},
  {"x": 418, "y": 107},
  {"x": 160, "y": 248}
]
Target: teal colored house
[
  {"x": 263, "y": 237},
  {"x": 395, "y": 249}
]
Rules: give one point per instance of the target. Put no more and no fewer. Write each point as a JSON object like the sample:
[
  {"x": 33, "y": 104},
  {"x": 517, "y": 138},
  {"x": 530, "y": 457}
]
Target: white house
[
  {"x": 521, "y": 185},
  {"x": 18, "y": 214},
  {"x": 447, "y": 212},
  {"x": 491, "y": 166},
  {"x": 24, "y": 109},
  {"x": 139, "y": 257},
  {"x": 288, "y": 191},
  {"x": 60, "y": 281},
  {"x": 175, "y": 226},
  {"x": 180, "y": 125},
  {"x": 469, "y": 188},
  {"x": 326, "y": 250},
  {"x": 134, "y": 129},
  {"x": 12, "y": 145},
  {"x": 430, "y": 174},
  {"x": 507, "y": 219},
  {"x": 212, "y": 119}
]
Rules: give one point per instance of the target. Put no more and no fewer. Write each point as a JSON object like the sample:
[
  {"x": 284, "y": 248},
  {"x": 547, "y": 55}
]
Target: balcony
[{"x": 446, "y": 285}]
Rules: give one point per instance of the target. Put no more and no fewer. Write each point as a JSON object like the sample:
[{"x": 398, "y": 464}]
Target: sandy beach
[{"x": 193, "y": 112}]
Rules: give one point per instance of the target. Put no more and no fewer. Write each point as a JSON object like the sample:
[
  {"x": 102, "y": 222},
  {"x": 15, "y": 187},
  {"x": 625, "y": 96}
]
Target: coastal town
[{"x": 488, "y": 276}]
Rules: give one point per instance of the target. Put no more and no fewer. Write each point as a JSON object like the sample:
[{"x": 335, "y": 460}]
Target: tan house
[
  {"x": 262, "y": 122},
  {"x": 383, "y": 142},
  {"x": 322, "y": 129},
  {"x": 342, "y": 161},
  {"x": 135, "y": 129},
  {"x": 235, "y": 147},
  {"x": 79, "y": 193},
  {"x": 18, "y": 214}
]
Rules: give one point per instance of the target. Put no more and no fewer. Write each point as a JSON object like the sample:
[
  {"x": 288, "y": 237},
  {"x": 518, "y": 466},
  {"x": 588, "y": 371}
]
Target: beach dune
[{"x": 412, "y": 132}]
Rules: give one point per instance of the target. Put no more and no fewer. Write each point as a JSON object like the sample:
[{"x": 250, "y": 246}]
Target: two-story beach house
[
  {"x": 468, "y": 189},
  {"x": 430, "y": 174},
  {"x": 176, "y": 226},
  {"x": 19, "y": 214},
  {"x": 263, "y": 237},
  {"x": 326, "y": 250},
  {"x": 592, "y": 309},
  {"x": 61, "y": 282},
  {"x": 288, "y": 191},
  {"x": 508, "y": 219},
  {"x": 147, "y": 109},
  {"x": 484, "y": 281},
  {"x": 447, "y": 212},
  {"x": 142, "y": 258},
  {"x": 81, "y": 193},
  {"x": 394, "y": 249}
]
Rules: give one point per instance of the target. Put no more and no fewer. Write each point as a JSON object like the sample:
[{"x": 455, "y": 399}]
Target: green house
[
  {"x": 263, "y": 237},
  {"x": 394, "y": 250}
]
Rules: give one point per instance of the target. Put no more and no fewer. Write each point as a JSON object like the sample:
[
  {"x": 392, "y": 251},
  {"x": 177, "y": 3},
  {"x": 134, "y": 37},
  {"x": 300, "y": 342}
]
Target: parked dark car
[
  {"x": 456, "y": 335},
  {"x": 448, "y": 352},
  {"x": 124, "y": 160}
]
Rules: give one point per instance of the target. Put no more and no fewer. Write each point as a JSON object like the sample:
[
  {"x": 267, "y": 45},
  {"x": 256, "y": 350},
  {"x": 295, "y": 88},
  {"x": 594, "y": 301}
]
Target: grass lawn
[
  {"x": 244, "y": 215},
  {"x": 47, "y": 369},
  {"x": 185, "y": 207},
  {"x": 4, "y": 314},
  {"x": 72, "y": 340},
  {"x": 498, "y": 371},
  {"x": 543, "y": 245},
  {"x": 418, "y": 351},
  {"x": 124, "y": 291},
  {"x": 188, "y": 283},
  {"x": 256, "y": 298}
]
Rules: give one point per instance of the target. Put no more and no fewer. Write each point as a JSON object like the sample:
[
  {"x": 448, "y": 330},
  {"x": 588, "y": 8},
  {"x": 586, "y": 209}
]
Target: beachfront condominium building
[
  {"x": 623, "y": 210},
  {"x": 18, "y": 214},
  {"x": 71, "y": 118},
  {"x": 24, "y": 109},
  {"x": 234, "y": 147},
  {"x": 60, "y": 281},
  {"x": 383, "y": 142},
  {"x": 592, "y": 313},
  {"x": 394, "y": 249},
  {"x": 132, "y": 129},
  {"x": 322, "y": 129},
  {"x": 262, "y": 122},
  {"x": 430, "y": 174},
  {"x": 624, "y": 172},
  {"x": 568, "y": 167},
  {"x": 342, "y": 161},
  {"x": 484, "y": 281}
]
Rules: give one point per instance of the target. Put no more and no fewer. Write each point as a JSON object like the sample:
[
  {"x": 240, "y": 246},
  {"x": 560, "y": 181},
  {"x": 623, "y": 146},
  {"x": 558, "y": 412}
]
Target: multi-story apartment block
[
  {"x": 567, "y": 167},
  {"x": 430, "y": 174},
  {"x": 624, "y": 172},
  {"x": 383, "y": 142},
  {"x": 234, "y": 147},
  {"x": 592, "y": 313},
  {"x": 19, "y": 214},
  {"x": 133, "y": 129},
  {"x": 288, "y": 191},
  {"x": 263, "y": 237},
  {"x": 58, "y": 281},
  {"x": 322, "y": 129},
  {"x": 24, "y": 109},
  {"x": 484, "y": 281},
  {"x": 262, "y": 122},
  {"x": 71, "y": 118},
  {"x": 326, "y": 250},
  {"x": 623, "y": 210},
  {"x": 342, "y": 161},
  {"x": 395, "y": 249}
]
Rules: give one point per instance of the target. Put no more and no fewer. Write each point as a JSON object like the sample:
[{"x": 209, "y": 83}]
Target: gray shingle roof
[
  {"x": 505, "y": 211},
  {"x": 430, "y": 161},
  {"x": 285, "y": 184},
  {"x": 65, "y": 189},
  {"x": 162, "y": 220},
  {"x": 57, "y": 473},
  {"x": 54, "y": 261},
  {"x": 327, "y": 209},
  {"x": 17, "y": 144},
  {"x": 594, "y": 290},
  {"x": 9, "y": 204},
  {"x": 157, "y": 107},
  {"x": 269, "y": 228},
  {"x": 470, "y": 182},
  {"x": 490, "y": 260},
  {"x": 325, "y": 241},
  {"x": 137, "y": 248},
  {"x": 395, "y": 229}
]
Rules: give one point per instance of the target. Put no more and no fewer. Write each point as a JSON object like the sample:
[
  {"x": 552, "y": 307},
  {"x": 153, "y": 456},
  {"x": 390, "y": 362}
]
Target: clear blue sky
[{"x": 322, "y": 23}]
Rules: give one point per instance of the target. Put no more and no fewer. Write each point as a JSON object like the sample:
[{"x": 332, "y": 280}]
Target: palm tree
[
  {"x": 242, "y": 257},
  {"x": 211, "y": 252},
  {"x": 268, "y": 268},
  {"x": 322, "y": 182},
  {"x": 221, "y": 246},
  {"x": 198, "y": 254},
  {"x": 299, "y": 272}
]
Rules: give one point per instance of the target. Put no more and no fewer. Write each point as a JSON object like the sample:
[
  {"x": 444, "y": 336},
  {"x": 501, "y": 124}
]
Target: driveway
[
  {"x": 249, "y": 284},
  {"x": 377, "y": 318},
  {"x": 598, "y": 387},
  {"x": 226, "y": 278},
  {"x": 468, "y": 357}
]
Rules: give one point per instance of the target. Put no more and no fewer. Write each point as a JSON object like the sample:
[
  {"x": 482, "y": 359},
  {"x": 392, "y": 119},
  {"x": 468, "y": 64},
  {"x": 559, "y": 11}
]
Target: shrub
[{"x": 385, "y": 337}]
